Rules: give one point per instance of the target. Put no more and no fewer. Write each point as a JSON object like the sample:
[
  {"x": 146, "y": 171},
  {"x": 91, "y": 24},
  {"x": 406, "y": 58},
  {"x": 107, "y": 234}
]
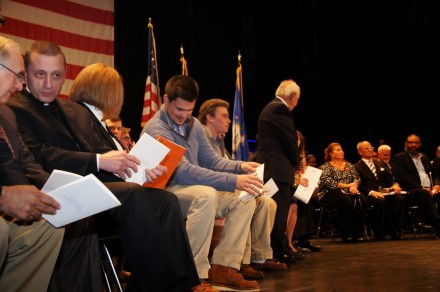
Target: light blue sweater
[{"x": 201, "y": 165}]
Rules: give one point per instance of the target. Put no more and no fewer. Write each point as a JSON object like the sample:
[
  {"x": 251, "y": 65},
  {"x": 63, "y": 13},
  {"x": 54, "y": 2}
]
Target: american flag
[
  {"x": 84, "y": 29},
  {"x": 152, "y": 100},
  {"x": 240, "y": 148}
]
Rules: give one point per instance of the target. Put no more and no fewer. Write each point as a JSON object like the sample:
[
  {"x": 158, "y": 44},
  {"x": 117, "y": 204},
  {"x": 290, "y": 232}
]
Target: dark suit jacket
[
  {"x": 385, "y": 165},
  {"x": 368, "y": 181},
  {"x": 56, "y": 147},
  {"x": 23, "y": 169},
  {"x": 436, "y": 171},
  {"x": 405, "y": 171},
  {"x": 277, "y": 143}
]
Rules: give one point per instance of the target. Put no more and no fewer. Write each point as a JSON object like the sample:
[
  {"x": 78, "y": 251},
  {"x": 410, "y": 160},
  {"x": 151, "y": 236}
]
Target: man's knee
[{"x": 4, "y": 240}]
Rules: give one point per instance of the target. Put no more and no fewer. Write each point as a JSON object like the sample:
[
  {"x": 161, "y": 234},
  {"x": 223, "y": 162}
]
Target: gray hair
[
  {"x": 383, "y": 147},
  {"x": 6, "y": 47}
]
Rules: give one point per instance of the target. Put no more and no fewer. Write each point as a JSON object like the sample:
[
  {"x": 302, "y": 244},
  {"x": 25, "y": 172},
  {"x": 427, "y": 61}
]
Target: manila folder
[{"x": 171, "y": 160}]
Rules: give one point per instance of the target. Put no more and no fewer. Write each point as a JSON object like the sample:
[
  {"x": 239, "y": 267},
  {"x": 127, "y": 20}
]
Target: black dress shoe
[
  {"x": 307, "y": 244},
  {"x": 287, "y": 259},
  {"x": 301, "y": 249},
  {"x": 359, "y": 239},
  {"x": 396, "y": 236},
  {"x": 297, "y": 255},
  {"x": 348, "y": 240}
]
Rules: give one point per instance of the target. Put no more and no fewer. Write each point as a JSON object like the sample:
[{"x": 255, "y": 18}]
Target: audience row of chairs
[{"x": 414, "y": 223}]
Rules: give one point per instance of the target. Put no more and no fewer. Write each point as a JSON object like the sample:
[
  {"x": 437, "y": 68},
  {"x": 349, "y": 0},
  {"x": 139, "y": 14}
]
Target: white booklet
[
  {"x": 150, "y": 152},
  {"x": 305, "y": 193},
  {"x": 269, "y": 188},
  {"x": 79, "y": 196}
]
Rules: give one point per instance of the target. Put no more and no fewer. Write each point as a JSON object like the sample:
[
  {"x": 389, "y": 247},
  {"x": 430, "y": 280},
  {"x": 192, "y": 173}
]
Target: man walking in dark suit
[
  {"x": 277, "y": 148},
  {"x": 60, "y": 134},
  {"x": 388, "y": 210},
  {"x": 411, "y": 170}
]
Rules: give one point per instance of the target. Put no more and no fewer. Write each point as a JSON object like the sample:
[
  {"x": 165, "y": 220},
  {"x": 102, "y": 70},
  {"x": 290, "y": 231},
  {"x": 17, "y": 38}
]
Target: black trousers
[
  {"x": 154, "y": 237},
  {"x": 387, "y": 215},
  {"x": 422, "y": 198},
  {"x": 78, "y": 265},
  {"x": 277, "y": 237},
  {"x": 351, "y": 221}
]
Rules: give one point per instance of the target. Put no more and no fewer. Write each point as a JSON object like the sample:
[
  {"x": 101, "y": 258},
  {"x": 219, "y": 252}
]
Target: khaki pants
[
  {"x": 258, "y": 243},
  {"x": 201, "y": 205},
  {"x": 27, "y": 255}
]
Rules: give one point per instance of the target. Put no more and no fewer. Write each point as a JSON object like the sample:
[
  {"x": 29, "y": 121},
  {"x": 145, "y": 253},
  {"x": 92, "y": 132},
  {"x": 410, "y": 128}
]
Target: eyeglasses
[{"x": 19, "y": 76}]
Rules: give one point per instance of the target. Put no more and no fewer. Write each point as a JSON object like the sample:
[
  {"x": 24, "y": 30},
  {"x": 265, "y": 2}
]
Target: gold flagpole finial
[{"x": 183, "y": 61}]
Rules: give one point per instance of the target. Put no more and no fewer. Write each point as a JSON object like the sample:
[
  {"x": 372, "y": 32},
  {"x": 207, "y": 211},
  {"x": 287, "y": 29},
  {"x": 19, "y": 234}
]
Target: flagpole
[
  {"x": 183, "y": 61},
  {"x": 240, "y": 147},
  {"x": 152, "y": 99},
  {"x": 241, "y": 81}
]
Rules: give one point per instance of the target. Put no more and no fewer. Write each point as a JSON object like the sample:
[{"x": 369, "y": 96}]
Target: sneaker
[
  {"x": 228, "y": 279},
  {"x": 269, "y": 265},
  {"x": 250, "y": 274},
  {"x": 204, "y": 287}
]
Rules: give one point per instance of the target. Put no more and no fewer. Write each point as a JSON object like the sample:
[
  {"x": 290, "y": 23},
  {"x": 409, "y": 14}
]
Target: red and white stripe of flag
[
  {"x": 151, "y": 101},
  {"x": 84, "y": 29}
]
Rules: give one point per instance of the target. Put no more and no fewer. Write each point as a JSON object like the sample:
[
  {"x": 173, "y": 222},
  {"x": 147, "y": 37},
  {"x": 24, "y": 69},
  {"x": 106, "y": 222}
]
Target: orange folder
[{"x": 171, "y": 161}]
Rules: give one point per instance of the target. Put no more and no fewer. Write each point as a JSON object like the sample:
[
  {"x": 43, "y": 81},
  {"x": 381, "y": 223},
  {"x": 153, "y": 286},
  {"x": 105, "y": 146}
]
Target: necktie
[
  {"x": 372, "y": 167},
  {"x": 5, "y": 139},
  {"x": 181, "y": 132}
]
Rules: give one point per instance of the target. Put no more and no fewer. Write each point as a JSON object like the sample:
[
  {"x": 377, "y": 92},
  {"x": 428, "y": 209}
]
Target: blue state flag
[{"x": 240, "y": 148}]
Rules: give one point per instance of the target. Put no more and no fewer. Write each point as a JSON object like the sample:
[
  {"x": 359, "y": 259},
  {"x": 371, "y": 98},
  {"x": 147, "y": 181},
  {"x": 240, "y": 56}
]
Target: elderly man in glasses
[{"x": 29, "y": 246}]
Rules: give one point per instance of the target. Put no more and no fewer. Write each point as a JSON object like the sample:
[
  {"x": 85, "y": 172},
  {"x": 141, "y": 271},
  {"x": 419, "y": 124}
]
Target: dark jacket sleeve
[{"x": 22, "y": 168}]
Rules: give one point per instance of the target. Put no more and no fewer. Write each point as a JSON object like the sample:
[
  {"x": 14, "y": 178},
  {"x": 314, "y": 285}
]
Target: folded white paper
[
  {"x": 79, "y": 197},
  {"x": 268, "y": 190},
  {"x": 150, "y": 152},
  {"x": 312, "y": 174},
  {"x": 393, "y": 193}
]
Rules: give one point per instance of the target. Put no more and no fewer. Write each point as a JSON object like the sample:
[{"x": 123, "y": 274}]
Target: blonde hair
[{"x": 101, "y": 86}]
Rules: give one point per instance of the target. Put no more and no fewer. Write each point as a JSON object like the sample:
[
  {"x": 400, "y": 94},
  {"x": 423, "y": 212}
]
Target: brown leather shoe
[
  {"x": 204, "y": 287},
  {"x": 250, "y": 274},
  {"x": 228, "y": 279},
  {"x": 269, "y": 265}
]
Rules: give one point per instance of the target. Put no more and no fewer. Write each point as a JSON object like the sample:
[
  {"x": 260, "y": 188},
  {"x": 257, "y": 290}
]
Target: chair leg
[
  {"x": 107, "y": 281},
  {"x": 109, "y": 269},
  {"x": 411, "y": 220},
  {"x": 318, "y": 228},
  {"x": 330, "y": 223}
]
